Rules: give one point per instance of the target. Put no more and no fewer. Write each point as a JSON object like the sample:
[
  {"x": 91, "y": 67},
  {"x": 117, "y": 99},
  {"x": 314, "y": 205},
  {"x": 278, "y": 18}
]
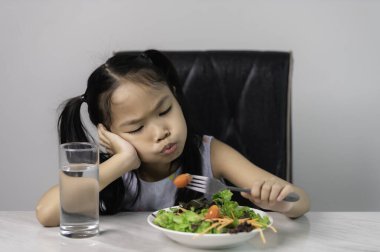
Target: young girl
[{"x": 137, "y": 104}]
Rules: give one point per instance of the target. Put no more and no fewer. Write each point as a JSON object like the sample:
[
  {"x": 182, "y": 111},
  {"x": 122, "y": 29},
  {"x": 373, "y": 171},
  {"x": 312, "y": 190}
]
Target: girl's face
[{"x": 150, "y": 119}]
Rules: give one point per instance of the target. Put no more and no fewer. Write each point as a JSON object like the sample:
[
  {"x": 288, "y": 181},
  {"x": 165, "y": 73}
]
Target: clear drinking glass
[{"x": 79, "y": 189}]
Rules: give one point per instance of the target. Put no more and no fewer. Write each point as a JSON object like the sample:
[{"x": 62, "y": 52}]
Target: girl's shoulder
[{"x": 214, "y": 153}]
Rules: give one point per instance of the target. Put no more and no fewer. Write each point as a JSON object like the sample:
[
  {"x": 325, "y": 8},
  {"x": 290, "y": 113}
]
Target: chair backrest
[{"x": 241, "y": 98}]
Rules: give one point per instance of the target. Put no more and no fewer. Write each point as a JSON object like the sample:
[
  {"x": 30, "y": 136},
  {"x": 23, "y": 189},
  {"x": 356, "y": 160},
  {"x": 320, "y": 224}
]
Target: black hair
[{"x": 150, "y": 67}]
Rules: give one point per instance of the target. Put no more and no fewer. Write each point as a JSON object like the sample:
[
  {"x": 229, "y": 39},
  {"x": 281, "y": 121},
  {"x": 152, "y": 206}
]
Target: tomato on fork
[{"x": 182, "y": 180}]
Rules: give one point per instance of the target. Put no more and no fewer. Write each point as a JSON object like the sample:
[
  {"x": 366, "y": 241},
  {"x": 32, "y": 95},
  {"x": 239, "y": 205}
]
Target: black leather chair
[{"x": 241, "y": 98}]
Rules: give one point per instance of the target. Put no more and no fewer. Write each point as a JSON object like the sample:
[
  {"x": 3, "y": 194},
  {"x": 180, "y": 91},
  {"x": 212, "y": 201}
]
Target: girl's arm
[
  {"x": 267, "y": 190},
  {"x": 125, "y": 159}
]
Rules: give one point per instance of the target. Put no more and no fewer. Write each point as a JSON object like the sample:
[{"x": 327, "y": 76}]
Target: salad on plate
[{"x": 219, "y": 216}]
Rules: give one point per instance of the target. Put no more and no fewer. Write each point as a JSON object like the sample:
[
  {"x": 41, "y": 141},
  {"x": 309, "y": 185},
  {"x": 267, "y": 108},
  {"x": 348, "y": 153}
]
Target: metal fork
[{"x": 210, "y": 186}]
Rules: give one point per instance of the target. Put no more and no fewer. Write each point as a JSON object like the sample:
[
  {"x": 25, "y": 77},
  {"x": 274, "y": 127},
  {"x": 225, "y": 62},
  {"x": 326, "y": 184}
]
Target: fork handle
[
  {"x": 238, "y": 189},
  {"x": 291, "y": 197}
]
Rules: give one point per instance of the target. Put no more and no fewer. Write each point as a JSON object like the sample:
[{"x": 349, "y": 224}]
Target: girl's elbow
[
  {"x": 46, "y": 216},
  {"x": 301, "y": 209}
]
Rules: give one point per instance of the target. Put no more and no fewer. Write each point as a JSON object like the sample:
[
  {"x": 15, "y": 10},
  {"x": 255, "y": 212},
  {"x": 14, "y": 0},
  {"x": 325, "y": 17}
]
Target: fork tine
[
  {"x": 198, "y": 189},
  {"x": 197, "y": 185},
  {"x": 203, "y": 178},
  {"x": 200, "y": 182}
]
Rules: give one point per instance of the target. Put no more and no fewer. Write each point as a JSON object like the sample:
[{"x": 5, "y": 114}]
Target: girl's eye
[
  {"x": 165, "y": 112},
  {"x": 136, "y": 130}
]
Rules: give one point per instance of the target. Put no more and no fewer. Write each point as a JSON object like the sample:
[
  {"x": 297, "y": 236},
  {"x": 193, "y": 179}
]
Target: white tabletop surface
[{"x": 316, "y": 231}]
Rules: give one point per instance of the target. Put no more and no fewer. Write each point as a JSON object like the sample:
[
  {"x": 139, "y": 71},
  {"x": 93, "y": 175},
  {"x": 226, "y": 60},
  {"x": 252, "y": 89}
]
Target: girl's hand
[
  {"x": 269, "y": 194},
  {"x": 114, "y": 145}
]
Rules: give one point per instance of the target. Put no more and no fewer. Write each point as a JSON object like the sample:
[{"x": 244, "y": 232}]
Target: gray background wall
[{"x": 49, "y": 47}]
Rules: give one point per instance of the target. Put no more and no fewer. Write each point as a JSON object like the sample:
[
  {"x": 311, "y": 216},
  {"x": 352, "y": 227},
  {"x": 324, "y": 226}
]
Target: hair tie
[{"x": 83, "y": 98}]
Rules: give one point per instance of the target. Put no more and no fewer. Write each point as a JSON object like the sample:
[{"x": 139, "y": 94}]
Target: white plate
[{"x": 208, "y": 241}]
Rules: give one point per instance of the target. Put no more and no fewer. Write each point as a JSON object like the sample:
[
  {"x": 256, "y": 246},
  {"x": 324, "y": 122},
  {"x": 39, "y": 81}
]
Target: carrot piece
[{"x": 182, "y": 180}]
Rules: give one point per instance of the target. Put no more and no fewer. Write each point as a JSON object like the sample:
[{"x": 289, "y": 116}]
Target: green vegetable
[
  {"x": 231, "y": 208},
  {"x": 186, "y": 222}
]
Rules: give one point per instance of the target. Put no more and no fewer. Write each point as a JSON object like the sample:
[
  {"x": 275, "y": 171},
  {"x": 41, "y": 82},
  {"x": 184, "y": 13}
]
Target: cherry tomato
[
  {"x": 182, "y": 180},
  {"x": 213, "y": 212}
]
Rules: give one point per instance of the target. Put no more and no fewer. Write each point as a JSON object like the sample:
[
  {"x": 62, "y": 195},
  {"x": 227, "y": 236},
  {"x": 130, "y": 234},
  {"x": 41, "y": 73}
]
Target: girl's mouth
[{"x": 169, "y": 148}]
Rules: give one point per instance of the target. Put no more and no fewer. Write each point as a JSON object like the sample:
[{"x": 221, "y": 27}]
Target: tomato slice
[
  {"x": 213, "y": 212},
  {"x": 182, "y": 180}
]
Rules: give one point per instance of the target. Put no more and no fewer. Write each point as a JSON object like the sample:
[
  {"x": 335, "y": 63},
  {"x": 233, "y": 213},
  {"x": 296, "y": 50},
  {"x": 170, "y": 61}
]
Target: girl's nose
[{"x": 163, "y": 134}]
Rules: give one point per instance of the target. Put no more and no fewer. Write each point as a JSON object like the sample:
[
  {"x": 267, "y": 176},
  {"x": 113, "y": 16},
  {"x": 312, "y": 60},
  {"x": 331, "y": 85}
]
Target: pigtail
[{"x": 70, "y": 126}]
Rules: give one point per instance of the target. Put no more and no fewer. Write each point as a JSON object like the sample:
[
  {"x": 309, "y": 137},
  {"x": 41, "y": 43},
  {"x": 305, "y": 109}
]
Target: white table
[{"x": 316, "y": 231}]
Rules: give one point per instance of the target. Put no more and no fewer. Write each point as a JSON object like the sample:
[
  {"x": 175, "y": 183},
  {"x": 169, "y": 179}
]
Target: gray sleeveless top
[{"x": 161, "y": 194}]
